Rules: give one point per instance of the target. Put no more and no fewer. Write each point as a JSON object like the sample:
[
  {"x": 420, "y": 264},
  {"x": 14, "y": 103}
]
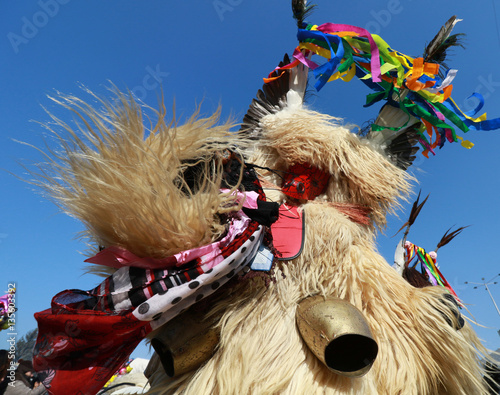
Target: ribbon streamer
[{"x": 351, "y": 51}]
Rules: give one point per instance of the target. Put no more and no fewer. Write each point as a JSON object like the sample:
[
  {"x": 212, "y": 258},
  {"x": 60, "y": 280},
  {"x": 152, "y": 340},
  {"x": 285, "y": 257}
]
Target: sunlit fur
[
  {"x": 261, "y": 351},
  {"x": 124, "y": 181},
  {"x": 304, "y": 136}
]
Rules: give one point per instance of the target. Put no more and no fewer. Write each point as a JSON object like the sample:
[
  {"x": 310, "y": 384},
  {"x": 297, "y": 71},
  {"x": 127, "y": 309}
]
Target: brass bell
[
  {"x": 185, "y": 343},
  {"x": 338, "y": 334}
]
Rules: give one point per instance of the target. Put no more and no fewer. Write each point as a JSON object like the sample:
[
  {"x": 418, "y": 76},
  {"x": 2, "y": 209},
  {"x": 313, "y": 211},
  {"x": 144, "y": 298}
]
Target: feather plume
[
  {"x": 415, "y": 211},
  {"x": 437, "y": 50},
  {"x": 447, "y": 237},
  {"x": 301, "y": 10},
  {"x": 401, "y": 146},
  {"x": 402, "y": 149},
  {"x": 272, "y": 98}
]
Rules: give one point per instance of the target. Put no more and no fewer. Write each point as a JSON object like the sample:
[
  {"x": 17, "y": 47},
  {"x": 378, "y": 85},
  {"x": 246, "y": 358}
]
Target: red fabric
[
  {"x": 118, "y": 257},
  {"x": 82, "y": 342},
  {"x": 304, "y": 182},
  {"x": 77, "y": 345},
  {"x": 288, "y": 232}
]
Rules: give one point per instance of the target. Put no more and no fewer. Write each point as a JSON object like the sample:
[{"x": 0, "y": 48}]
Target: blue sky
[{"x": 217, "y": 52}]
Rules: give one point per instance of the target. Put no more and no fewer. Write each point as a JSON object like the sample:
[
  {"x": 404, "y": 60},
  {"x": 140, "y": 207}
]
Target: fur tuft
[
  {"x": 156, "y": 192},
  {"x": 302, "y": 136},
  {"x": 126, "y": 182}
]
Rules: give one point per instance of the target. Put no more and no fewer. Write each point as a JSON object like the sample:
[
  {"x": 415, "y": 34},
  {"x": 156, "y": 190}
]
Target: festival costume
[
  {"x": 337, "y": 189},
  {"x": 87, "y": 335}
]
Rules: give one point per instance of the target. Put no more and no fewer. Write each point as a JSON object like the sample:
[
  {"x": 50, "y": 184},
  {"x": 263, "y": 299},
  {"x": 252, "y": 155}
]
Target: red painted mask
[{"x": 304, "y": 182}]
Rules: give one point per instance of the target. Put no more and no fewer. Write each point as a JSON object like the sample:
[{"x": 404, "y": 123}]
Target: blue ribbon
[
  {"x": 489, "y": 124},
  {"x": 325, "y": 71},
  {"x": 473, "y": 112}
]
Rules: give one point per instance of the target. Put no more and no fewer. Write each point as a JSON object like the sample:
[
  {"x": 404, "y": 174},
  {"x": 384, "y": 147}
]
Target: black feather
[
  {"x": 301, "y": 10},
  {"x": 432, "y": 48},
  {"x": 449, "y": 237},
  {"x": 401, "y": 151},
  {"x": 265, "y": 101},
  {"x": 269, "y": 100},
  {"x": 438, "y": 49},
  {"x": 273, "y": 95},
  {"x": 415, "y": 211}
]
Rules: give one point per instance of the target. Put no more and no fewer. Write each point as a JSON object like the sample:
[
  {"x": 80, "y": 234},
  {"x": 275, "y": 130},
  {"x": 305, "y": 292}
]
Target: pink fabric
[
  {"x": 298, "y": 54},
  {"x": 118, "y": 257},
  {"x": 249, "y": 199}
]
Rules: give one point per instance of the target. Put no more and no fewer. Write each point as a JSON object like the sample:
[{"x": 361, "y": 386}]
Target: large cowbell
[
  {"x": 185, "y": 343},
  {"x": 338, "y": 334}
]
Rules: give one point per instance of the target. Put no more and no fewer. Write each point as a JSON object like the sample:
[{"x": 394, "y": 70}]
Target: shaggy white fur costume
[
  {"x": 123, "y": 184},
  {"x": 261, "y": 351}
]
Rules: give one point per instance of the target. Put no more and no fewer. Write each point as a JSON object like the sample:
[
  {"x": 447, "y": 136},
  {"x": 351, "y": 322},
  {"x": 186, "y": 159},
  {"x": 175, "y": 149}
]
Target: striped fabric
[{"x": 86, "y": 335}]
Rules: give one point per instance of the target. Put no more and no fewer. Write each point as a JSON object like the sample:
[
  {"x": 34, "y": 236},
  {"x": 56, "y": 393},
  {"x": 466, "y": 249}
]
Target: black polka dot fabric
[{"x": 164, "y": 307}]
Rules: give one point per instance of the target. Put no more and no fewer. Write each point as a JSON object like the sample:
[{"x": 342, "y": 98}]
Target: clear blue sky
[{"x": 217, "y": 52}]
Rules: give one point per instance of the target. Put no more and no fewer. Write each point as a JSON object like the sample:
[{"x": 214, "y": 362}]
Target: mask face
[{"x": 304, "y": 182}]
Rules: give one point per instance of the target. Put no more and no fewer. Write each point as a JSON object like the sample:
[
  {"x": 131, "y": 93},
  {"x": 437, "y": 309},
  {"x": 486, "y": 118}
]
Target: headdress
[{"x": 419, "y": 108}]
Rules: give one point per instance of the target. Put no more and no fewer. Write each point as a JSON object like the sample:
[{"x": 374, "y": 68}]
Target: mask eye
[
  {"x": 303, "y": 181},
  {"x": 300, "y": 188}
]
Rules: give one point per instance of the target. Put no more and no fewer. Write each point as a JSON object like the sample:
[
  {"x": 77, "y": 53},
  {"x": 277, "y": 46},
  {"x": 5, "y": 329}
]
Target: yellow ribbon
[{"x": 346, "y": 75}]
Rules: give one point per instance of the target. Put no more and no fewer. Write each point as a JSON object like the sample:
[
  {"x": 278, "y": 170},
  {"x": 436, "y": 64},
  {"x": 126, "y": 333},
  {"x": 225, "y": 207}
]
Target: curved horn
[{"x": 337, "y": 333}]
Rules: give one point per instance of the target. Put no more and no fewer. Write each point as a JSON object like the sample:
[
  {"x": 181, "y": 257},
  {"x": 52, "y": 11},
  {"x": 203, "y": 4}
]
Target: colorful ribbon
[
  {"x": 415, "y": 255},
  {"x": 351, "y": 50}
]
